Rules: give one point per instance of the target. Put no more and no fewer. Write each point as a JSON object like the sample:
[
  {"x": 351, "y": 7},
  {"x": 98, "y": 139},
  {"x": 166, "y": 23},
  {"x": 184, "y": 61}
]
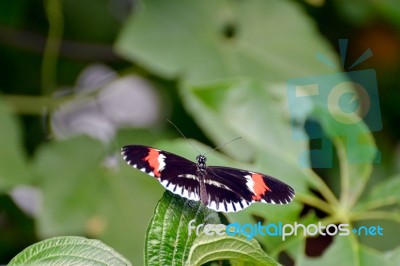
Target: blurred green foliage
[{"x": 220, "y": 69}]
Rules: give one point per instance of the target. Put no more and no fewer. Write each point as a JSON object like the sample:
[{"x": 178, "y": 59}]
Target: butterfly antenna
[
  {"x": 183, "y": 136},
  {"x": 220, "y": 146}
]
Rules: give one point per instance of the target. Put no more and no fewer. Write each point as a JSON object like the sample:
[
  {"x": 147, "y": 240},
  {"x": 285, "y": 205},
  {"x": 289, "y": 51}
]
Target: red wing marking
[
  {"x": 152, "y": 159},
  {"x": 259, "y": 186}
]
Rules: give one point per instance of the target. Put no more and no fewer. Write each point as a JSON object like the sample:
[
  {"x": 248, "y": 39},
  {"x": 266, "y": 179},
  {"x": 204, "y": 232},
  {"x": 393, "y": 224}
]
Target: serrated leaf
[
  {"x": 69, "y": 250},
  {"x": 236, "y": 248},
  {"x": 168, "y": 240}
]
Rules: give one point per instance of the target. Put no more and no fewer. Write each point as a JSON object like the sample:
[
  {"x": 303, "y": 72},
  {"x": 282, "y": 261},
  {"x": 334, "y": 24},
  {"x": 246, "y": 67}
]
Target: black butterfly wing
[
  {"x": 227, "y": 189},
  {"x": 174, "y": 172},
  {"x": 231, "y": 189}
]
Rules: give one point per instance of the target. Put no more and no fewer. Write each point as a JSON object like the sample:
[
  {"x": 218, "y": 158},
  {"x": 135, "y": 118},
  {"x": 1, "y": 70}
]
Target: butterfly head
[{"x": 201, "y": 161}]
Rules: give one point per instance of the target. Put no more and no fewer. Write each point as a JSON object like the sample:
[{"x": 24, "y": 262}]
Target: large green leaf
[
  {"x": 169, "y": 239},
  {"x": 217, "y": 39},
  {"x": 69, "y": 250},
  {"x": 236, "y": 248},
  {"x": 13, "y": 169},
  {"x": 247, "y": 108}
]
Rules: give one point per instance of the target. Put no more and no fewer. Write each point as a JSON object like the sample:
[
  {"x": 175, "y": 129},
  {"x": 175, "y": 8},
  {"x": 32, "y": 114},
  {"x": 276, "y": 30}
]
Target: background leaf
[
  {"x": 209, "y": 40},
  {"x": 13, "y": 168},
  {"x": 68, "y": 175},
  {"x": 351, "y": 254},
  {"x": 386, "y": 192},
  {"x": 356, "y": 152},
  {"x": 226, "y": 109},
  {"x": 87, "y": 191}
]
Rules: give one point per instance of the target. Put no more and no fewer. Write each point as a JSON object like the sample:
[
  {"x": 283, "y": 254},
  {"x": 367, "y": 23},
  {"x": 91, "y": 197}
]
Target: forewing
[{"x": 174, "y": 172}]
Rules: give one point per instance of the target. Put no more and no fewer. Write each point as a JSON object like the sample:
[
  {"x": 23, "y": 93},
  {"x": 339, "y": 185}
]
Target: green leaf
[
  {"x": 209, "y": 40},
  {"x": 356, "y": 150},
  {"x": 272, "y": 213},
  {"x": 13, "y": 169},
  {"x": 168, "y": 240},
  {"x": 87, "y": 191},
  {"x": 351, "y": 254},
  {"x": 385, "y": 192},
  {"x": 247, "y": 108},
  {"x": 127, "y": 209},
  {"x": 236, "y": 248},
  {"x": 69, "y": 250},
  {"x": 394, "y": 256},
  {"x": 69, "y": 176},
  {"x": 346, "y": 246}
]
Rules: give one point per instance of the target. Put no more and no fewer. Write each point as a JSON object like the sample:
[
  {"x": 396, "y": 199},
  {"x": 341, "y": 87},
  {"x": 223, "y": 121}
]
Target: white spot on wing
[
  {"x": 238, "y": 207},
  {"x": 217, "y": 184},
  {"x": 221, "y": 207},
  {"x": 194, "y": 196},
  {"x": 213, "y": 205},
  {"x": 230, "y": 207},
  {"x": 143, "y": 170},
  {"x": 186, "y": 194},
  {"x": 250, "y": 183},
  {"x": 188, "y": 176},
  {"x": 161, "y": 162}
]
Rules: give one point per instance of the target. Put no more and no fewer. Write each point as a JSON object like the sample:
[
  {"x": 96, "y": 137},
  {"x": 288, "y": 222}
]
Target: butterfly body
[{"x": 219, "y": 188}]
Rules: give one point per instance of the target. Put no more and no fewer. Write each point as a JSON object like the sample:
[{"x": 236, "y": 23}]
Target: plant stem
[
  {"x": 375, "y": 215},
  {"x": 314, "y": 202},
  {"x": 344, "y": 171},
  {"x": 50, "y": 57}
]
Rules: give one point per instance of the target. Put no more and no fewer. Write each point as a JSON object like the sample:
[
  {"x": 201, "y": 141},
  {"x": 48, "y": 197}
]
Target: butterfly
[{"x": 222, "y": 189}]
